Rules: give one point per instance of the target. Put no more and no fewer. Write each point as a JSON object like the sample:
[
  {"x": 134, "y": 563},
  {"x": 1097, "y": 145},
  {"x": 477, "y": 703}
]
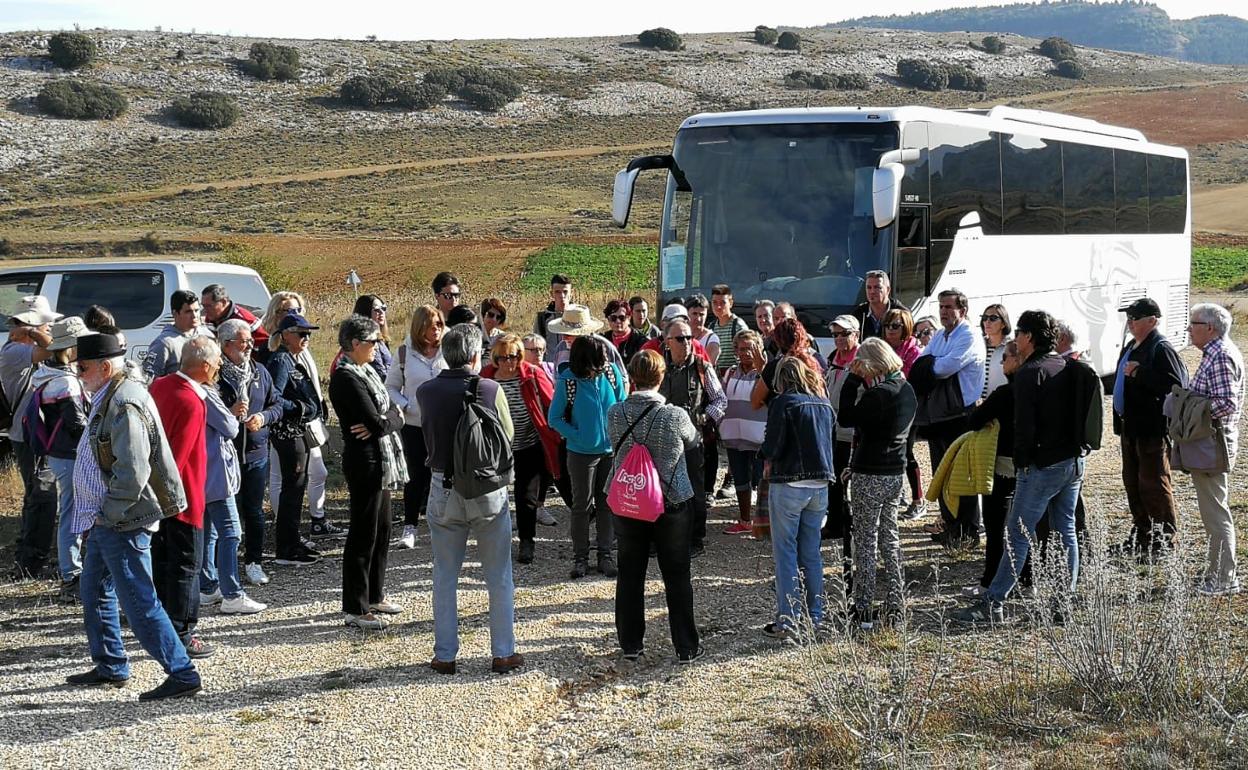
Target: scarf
[
  {"x": 393, "y": 464},
  {"x": 237, "y": 376}
]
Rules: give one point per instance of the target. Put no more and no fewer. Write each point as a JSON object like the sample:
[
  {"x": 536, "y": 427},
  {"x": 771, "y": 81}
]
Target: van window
[
  {"x": 245, "y": 289},
  {"x": 136, "y": 298},
  {"x": 15, "y": 286}
]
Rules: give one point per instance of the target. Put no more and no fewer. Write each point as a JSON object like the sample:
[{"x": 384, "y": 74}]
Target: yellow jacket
[{"x": 966, "y": 469}]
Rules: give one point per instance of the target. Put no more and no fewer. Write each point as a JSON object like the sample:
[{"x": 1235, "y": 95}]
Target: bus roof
[{"x": 1049, "y": 125}]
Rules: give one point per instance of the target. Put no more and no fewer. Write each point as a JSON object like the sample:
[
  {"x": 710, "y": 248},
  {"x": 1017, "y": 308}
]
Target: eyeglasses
[
  {"x": 534, "y": 350},
  {"x": 1197, "y": 323},
  {"x": 618, "y": 318},
  {"x": 449, "y": 294},
  {"x": 895, "y": 326},
  {"x": 990, "y": 317},
  {"x": 925, "y": 333},
  {"x": 371, "y": 340},
  {"x": 681, "y": 338},
  {"x": 496, "y": 316},
  {"x": 511, "y": 357},
  {"x": 839, "y": 335}
]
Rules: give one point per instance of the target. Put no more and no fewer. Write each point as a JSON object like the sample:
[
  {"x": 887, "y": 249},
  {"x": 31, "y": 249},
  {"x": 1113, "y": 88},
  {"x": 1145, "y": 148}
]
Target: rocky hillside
[{"x": 590, "y": 81}]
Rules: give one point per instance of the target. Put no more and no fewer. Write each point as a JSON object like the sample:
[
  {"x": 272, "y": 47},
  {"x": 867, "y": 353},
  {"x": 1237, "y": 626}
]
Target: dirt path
[{"x": 169, "y": 191}]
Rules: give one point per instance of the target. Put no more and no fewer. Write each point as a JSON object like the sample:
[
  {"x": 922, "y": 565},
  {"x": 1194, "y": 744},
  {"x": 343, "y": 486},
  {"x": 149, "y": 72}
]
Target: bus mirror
[
  {"x": 622, "y": 198},
  {"x": 886, "y": 193},
  {"x": 905, "y": 157}
]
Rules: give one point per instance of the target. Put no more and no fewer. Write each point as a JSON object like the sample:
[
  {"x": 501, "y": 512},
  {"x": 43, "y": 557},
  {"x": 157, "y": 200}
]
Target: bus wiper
[{"x": 651, "y": 162}]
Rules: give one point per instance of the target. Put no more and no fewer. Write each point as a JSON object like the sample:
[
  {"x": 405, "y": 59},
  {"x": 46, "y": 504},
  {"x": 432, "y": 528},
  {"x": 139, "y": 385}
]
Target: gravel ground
[{"x": 293, "y": 687}]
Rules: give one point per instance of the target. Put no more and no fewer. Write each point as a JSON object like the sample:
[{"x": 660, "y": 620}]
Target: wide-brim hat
[
  {"x": 65, "y": 333},
  {"x": 576, "y": 322},
  {"x": 33, "y": 310},
  {"x": 97, "y": 346}
]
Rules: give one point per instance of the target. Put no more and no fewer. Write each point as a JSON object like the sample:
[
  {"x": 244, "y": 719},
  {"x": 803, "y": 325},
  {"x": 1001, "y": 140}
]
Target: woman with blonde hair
[
  {"x": 417, "y": 360},
  {"x": 281, "y": 303},
  {"x": 742, "y": 427},
  {"x": 881, "y": 416},
  {"x": 798, "y": 445}
]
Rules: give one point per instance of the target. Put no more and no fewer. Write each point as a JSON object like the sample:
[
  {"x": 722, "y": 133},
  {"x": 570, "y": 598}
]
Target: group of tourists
[{"x": 150, "y": 480}]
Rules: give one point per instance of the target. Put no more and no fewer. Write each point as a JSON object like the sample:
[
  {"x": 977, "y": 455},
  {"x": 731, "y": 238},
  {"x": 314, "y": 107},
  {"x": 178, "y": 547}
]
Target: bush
[
  {"x": 268, "y": 61},
  {"x": 81, "y": 100},
  {"x": 1057, "y": 48},
  {"x": 853, "y": 81},
  {"x": 1069, "y": 68},
  {"x": 765, "y": 35},
  {"x": 6, "y": 248},
  {"x": 366, "y": 91},
  {"x": 805, "y": 79},
  {"x": 205, "y": 109},
  {"x": 482, "y": 88},
  {"x": 483, "y": 97},
  {"x": 963, "y": 78},
  {"x": 789, "y": 41},
  {"x": 925, "y": 75},
  {"x": 661, "y": 38},
  {"x": 993, "y": 44},
  {"x": 447, "y": 77},
  {"x": 71, "y": 50},
  {"x": 418, "y": 96}
]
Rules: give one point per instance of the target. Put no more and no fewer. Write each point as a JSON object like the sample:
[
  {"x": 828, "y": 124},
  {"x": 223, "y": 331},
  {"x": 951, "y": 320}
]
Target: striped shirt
[
  {"x": 90, "y": 488},
  {"x": 726, "y": 332},
  {"x": 526, "y": 434},
  {"x": 743, "y": 426}
]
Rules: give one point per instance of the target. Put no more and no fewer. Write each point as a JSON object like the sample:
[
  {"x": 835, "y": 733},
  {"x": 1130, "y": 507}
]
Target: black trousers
[
  {"x": 710, "y": 458},
  {"x": 177, "y": 548},
  {"x": 965, "y": 526},
  {"x": 562, "y": 484},
  {"x": 37, "y": 532},
  {"x": 368, "y": 537},
  {"x": 996, "y": 508},
  {"x": 292, "y": 455},
  {"x": 531, "y": 481},
  {"x": 694, "y": 462},
  {"x": 670, "y": 536},
  {"x": 419, "y": 476}
]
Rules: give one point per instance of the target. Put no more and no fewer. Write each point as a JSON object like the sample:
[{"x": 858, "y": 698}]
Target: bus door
[{"x": 912, "y": 278}]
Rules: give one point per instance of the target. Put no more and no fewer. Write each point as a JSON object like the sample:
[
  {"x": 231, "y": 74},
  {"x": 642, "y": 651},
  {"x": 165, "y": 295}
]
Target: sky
[{"x": 470, "y": 19}]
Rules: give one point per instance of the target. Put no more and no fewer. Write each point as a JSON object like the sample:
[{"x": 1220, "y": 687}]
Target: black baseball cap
[{"x": 1143, "y": 308}]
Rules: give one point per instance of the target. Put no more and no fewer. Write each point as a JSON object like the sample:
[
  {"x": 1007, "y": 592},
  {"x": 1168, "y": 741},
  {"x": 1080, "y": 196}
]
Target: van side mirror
[
  {"x": 622, "y": 196},
  {"x": 886, "y": 193}
]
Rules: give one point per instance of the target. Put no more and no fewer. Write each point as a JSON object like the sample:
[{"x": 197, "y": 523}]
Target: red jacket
[
  {"x": 537, "y": 391},
  {"x": 258, "y": 334},
  {"x": 184, "y": 417}
]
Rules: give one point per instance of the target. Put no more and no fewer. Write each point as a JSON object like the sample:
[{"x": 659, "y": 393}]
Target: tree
[
  {"x": 483, "y": 97},
  {"x": 661, "y": 38},
  {"x": 993, "y": 44},
  {"x": 765, "y": 35},
  {"x": 205, "y": 109},
  {"x": 925, "y": 75},
  {"x": 71, "y": 50},
  {"x": 1057, "y": 48},
  {"x": 963, "y": 78},
  {"x": 81, "y": 100},
  {"x": 1069, "y": 68},
  {"x": 366, "y": 91},
  {"x": 789, "y": 41},
  {"x": 268, "y": 61}
]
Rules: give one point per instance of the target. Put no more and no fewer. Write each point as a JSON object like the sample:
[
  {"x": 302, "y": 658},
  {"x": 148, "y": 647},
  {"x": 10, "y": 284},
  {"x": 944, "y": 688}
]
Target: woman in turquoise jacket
[{"x": 587, "y": 386}]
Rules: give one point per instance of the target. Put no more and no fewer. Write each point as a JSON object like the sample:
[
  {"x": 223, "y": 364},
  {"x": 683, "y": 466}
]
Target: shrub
[
  {"x": 789, "y": 41},
  {"x": 268, "y": 61},
  {"x": 661, "y": 38},
  {"x": 1057, "y": 48},
  {"x": 993, "y": 44},
  {"x": 1069, "y": 68},
  {"x": 765, "y": 35},
  {"x": 366, "y": 91},
  {"x": 853, "y": 81},
  {"x": 6, "y": 248},
  {"x": 921, "y": 74},
  {"x": 963, "y": 78},
  {"x": 205, "y": 109},
  {"x": 71, "y": 50},
  {"x": 449, "y": 78},
  {"x": 483, "y": 97},
  {"x": 81, "y": 100},
  {"x": 418, "y": 96}
]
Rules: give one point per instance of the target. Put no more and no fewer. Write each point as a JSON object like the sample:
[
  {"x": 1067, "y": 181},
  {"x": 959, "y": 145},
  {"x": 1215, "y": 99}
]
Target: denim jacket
[
  {"x": 297, "y": 394},
  {"x": 798, "y": 441}
]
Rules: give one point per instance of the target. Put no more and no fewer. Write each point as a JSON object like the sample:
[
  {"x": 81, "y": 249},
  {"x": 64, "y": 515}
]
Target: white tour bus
[{"x": 1034, "y": 210}]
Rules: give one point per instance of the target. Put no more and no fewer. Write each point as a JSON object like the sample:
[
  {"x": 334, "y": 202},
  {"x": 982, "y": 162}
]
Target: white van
[{"x": 136, "y": 292}]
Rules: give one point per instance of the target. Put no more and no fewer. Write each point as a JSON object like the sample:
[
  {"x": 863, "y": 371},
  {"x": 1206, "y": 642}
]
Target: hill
[{"x": 1121, "y": 26}]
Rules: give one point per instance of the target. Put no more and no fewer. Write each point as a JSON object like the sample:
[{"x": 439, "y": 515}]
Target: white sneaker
[
  {"x": 916, "y": 510},
  {"x": 242, "y": 605},
  {"x": 408, "y": 540},
  {"x": 207, "y": 600},
  {"x": 254, "y": 574},
  {"x": 546, "y": 518},
  {"x": 365, "y": 622}
]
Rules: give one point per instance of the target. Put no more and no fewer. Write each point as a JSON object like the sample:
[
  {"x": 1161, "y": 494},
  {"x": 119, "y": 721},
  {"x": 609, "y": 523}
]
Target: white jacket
[{"x": 409, "y": 371}]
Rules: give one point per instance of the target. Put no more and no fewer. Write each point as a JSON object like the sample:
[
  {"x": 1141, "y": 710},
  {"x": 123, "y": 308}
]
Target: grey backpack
[{"x": 481, "y": 458}]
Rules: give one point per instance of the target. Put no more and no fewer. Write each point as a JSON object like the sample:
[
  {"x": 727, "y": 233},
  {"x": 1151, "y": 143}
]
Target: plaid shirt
[
  {"x": 1220, "y": 378},
  {"x": 90, "y": 487}
]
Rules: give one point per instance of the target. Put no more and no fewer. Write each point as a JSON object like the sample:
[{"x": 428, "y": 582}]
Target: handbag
[{"x": 315, "y": 435}]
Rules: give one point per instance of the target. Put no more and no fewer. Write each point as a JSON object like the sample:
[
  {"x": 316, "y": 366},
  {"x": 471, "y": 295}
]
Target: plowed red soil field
[{"x": 1182, "y": 116}]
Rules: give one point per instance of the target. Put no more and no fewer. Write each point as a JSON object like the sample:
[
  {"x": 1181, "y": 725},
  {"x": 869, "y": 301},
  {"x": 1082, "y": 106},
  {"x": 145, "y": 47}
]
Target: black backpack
[
  {"x": 1086, "y": 395},
  {"x": 481, "y": 458}
]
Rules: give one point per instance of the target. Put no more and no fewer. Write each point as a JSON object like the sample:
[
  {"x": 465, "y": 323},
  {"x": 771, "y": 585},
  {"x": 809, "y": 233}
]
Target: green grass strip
[
  {"x": 620, "y": 269},
  {"x": 1219, "y": 267}
]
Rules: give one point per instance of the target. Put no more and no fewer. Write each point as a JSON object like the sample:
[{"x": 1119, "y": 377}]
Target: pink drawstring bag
[{"x": 635, "y": 491}]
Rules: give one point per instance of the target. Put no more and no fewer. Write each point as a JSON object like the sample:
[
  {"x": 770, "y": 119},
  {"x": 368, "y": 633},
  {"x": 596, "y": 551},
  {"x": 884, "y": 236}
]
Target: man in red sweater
[{"x": 177, "y": 548}]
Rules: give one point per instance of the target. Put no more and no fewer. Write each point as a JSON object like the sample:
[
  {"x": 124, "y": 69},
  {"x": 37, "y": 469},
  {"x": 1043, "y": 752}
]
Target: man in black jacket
[
  {"x": 1148, "y": 367},
  {"x": 1048, "y": 460},
  {"x": 870, "y": 314}
]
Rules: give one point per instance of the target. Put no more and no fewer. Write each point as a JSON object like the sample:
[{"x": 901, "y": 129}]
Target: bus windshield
[{"x": 780, "y": 212}]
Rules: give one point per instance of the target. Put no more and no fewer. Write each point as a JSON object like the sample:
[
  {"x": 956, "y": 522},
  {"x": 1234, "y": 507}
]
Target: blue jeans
[
  {"x": 250, "y": 503},
  {"x": 219, "y": 566},
  {"x": 1033, "y": 491},
  {"x": 746, "y": 468},
  {"x": 451, "y": 517},
  {"x": 797, "y": 515},
  {"x": 68, "y": 545},
  {"x": 117, "y": 568}
]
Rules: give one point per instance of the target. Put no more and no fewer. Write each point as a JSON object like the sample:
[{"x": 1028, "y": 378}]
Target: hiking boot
[
  {"x": 94, "y": 678},
  {"x": 606, "y": 565},
  {"x": 525, "y": 555},
  {"x": 508, "y": 664},
  {"x": 326, "y": 528},
  {"x": 546, "y": 518},
  {"x": 986, "y": 612},
  {"x": 368, "y": 622},
  {"x": 69, "y": 592},
  {"x": 446, "y": 667},
  {"x": 580, "y": 568}
]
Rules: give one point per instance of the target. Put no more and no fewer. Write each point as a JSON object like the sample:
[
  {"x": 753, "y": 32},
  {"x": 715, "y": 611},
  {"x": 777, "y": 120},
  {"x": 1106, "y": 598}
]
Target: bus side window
[{"x": 910, "y": 276}]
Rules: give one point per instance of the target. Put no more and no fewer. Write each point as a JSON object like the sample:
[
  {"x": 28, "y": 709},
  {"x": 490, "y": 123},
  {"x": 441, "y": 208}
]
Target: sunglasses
[
  {"x": 925, "y": 333},
  {"x": 534, "y": 350},
  {"x": 895, "y": 326},
  {"x": 618, "y": 318},
  {"x": 511, "y": 357},
  {"x": 371, "y": 340},
  {"x": 839, "y": 335},
  {"x": 681, "y": 338},
  {"x": 449, "y": 295},
  {"x": 379, "y": 308},
  {"x": 494, "y": 315},
  {"x": 990, "y": 317},
  {"x": 303, "y": 335}
]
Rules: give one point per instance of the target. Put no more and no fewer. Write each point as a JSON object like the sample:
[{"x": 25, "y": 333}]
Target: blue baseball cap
[{"x": 293, "y": 320}]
